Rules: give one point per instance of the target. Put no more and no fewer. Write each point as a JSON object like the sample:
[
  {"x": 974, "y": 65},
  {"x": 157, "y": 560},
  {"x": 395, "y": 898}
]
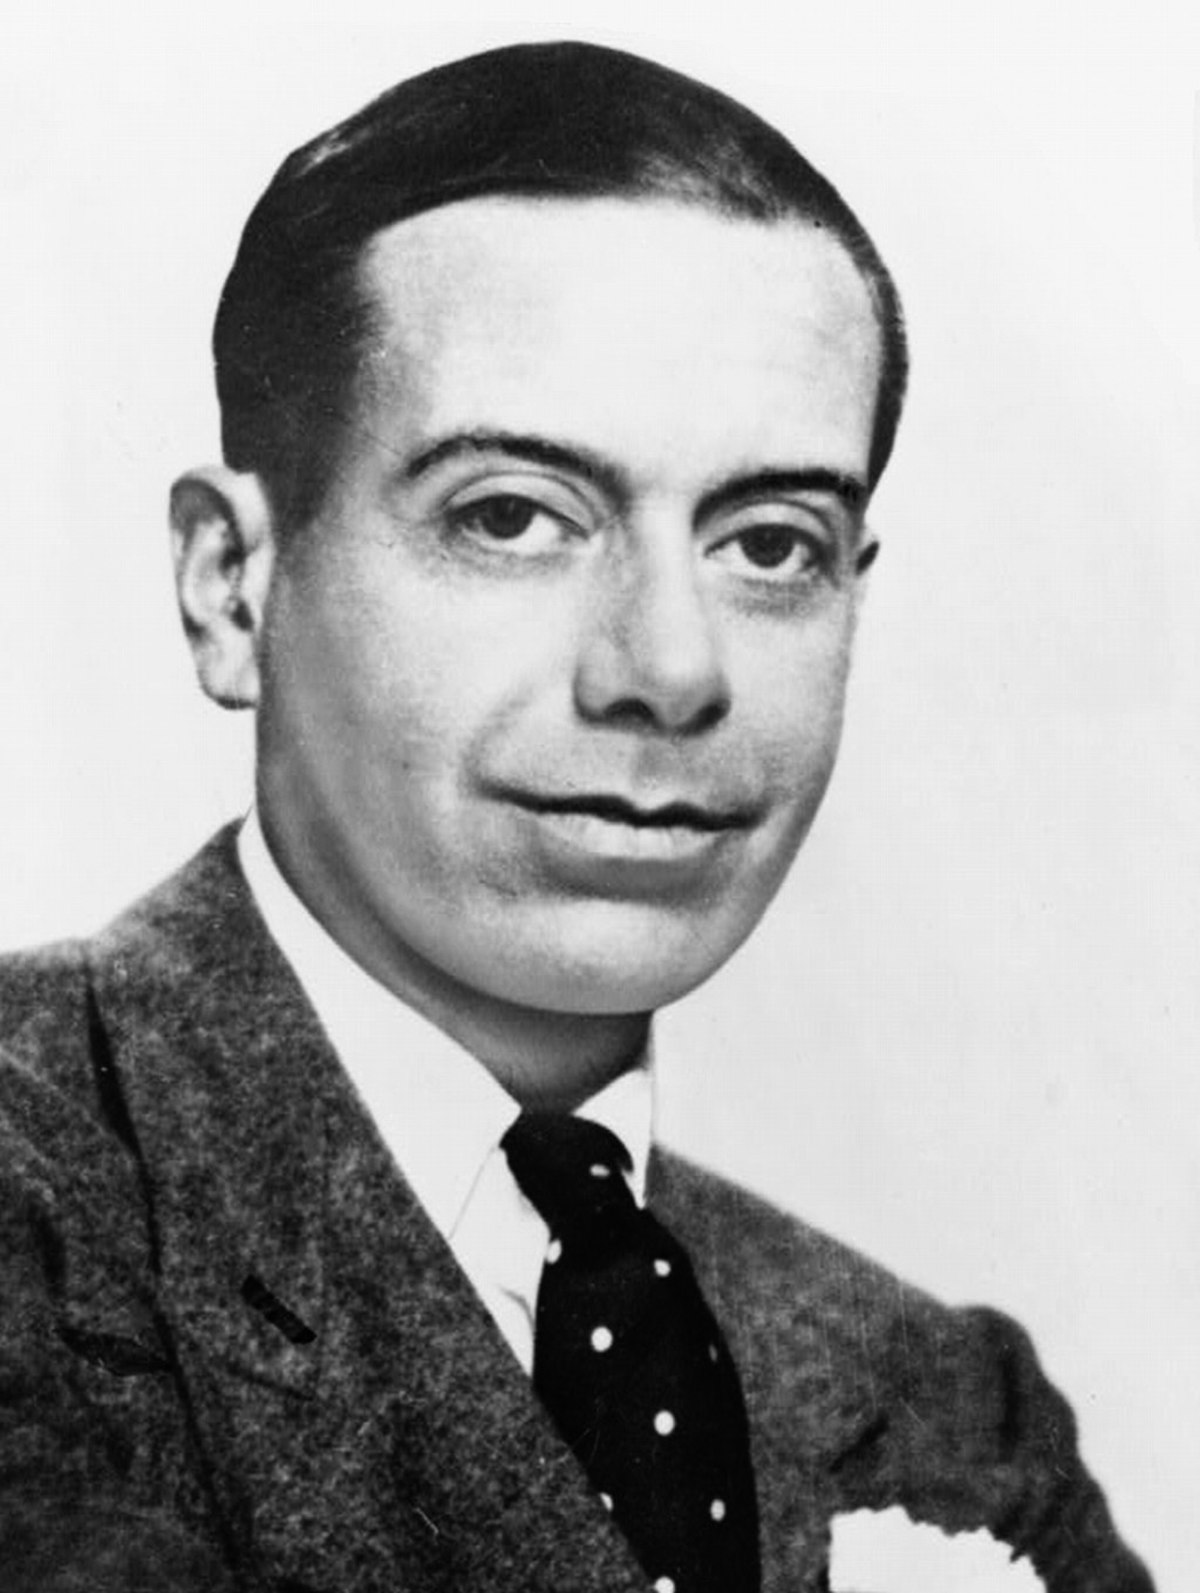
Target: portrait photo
[{"x": 851, "y": 838}]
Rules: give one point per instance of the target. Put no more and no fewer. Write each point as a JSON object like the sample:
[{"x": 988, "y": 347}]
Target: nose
[{"x": 651, "y": 649}]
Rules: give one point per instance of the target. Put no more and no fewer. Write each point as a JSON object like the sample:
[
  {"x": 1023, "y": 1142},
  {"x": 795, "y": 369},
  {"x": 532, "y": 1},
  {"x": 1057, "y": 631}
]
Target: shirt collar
[{"x": 438, "y": 1109}]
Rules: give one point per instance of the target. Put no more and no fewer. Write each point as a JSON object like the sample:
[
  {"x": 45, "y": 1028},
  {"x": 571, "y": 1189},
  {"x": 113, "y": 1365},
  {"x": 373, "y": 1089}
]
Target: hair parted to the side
[{"x": 563, "y": 120}]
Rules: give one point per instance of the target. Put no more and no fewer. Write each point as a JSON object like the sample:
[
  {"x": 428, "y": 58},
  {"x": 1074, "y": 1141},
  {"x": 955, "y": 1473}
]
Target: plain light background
[{"x": 967, "y": 1038}]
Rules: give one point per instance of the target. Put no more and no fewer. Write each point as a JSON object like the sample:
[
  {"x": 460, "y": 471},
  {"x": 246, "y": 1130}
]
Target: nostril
[{"x": 712, "y": 713}]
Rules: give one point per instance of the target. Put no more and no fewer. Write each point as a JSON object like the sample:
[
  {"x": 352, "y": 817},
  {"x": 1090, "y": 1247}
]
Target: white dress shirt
[{"x": 439, "y": 1111}]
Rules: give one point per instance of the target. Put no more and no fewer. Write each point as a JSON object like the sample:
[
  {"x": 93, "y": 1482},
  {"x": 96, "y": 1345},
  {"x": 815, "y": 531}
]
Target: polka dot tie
[{"x": 632, "y": 1366}]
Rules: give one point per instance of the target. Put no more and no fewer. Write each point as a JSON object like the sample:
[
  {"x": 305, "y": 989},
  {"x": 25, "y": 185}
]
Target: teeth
[{"x": 614, "y": 838}]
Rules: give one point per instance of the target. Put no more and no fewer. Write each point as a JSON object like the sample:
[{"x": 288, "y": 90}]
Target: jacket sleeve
[
  {"x": 101, "y": 1486},
  {"x": 975, "y": 1436}
]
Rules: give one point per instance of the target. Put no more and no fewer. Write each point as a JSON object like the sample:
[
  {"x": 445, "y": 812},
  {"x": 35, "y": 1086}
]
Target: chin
[
  {"x": 612, "y": 974},
  {"x": 613, "y": 995}
]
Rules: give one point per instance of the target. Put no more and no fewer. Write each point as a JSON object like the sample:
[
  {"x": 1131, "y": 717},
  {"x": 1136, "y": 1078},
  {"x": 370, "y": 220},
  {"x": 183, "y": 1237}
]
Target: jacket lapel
[
  {"x": 362, "y": 1418},
  {"x": 798, "y": 1311},
  {"x": 221, "y": 1065}
]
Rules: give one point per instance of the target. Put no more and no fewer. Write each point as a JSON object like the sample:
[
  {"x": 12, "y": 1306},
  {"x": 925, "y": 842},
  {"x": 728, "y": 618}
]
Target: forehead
[{"x": 642, "y": 326}]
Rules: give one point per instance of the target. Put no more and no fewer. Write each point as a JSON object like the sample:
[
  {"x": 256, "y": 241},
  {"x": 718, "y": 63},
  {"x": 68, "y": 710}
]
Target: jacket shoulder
[
  {"x": 888, "y": 1396},
  {"x": 44, "y": 1027},
  {"x": 59, "y": 1031},
  {"x": 778, "y": 1266},
  {"x": 40, "y": 979}
]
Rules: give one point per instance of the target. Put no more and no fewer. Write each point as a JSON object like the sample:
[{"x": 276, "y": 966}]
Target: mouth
[
  {"x": 660, "y": 816},
  {"x": 611, "y": 832}
]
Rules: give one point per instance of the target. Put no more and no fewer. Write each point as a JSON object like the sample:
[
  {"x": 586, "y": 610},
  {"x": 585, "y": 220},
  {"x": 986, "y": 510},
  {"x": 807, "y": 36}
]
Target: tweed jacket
[{"x": 236, "y": 1354}]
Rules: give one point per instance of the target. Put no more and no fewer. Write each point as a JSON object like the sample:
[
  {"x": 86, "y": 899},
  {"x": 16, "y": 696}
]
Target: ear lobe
[{"x": 222, "y": 543}]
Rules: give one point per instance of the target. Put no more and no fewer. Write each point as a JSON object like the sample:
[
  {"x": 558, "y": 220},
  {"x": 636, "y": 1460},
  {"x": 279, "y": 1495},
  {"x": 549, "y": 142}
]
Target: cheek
[
  {"x": 792, "y": 699},
  {"x": 420, "y": 692}
]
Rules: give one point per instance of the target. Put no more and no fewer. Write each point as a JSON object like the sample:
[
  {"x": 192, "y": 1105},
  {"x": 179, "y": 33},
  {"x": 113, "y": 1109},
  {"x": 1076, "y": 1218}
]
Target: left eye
[{"x": 772, "y": 550}]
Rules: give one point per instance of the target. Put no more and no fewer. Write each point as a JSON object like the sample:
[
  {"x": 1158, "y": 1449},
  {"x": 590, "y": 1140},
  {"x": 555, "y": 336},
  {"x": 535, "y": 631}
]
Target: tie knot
[{"x": 573, "y": 1172}]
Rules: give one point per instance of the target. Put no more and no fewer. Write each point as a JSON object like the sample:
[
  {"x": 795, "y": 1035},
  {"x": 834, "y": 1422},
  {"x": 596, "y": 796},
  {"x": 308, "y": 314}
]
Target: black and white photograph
[{"x": 600, "y": 832}]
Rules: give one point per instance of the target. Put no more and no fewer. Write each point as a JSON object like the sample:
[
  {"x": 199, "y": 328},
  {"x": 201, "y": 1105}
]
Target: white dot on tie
[
  {"x": 665, "y": 1584},
  {"x": 663, "y": 1268},
  {"x": 553, "y": 1251},
  {"x": 714, "y": 1353},
  {"x": 599, "y": 1170},
  {"x": 601, "y": 1339},
  {"x": 717, "y": 1510},
  {"x": 664, "y": 1423},
  {"x": 606, "y": 1500}
]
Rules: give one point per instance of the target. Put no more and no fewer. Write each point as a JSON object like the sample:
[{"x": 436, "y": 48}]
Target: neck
[{"x": 547, "y": 1061}]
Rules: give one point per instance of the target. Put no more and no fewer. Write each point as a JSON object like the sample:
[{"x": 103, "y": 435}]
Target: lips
[
  {"x": 613, "y": 809},
  {"x": 602, "y": 843}
]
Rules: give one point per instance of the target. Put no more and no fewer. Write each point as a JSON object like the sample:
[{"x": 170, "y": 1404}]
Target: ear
[
  {"x": 864, "y": 558},
  {"x": 223, "y": 544}
]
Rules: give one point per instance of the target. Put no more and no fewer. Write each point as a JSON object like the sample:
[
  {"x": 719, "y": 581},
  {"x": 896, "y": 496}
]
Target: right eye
[{"x": 508, "y": 518}]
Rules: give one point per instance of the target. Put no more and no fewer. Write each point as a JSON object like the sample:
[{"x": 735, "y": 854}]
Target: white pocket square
[{"x": 885, "y": 1551}]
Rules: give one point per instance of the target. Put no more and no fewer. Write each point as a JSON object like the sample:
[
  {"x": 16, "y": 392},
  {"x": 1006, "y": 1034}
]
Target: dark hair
[{"x": 564, "y": 119}]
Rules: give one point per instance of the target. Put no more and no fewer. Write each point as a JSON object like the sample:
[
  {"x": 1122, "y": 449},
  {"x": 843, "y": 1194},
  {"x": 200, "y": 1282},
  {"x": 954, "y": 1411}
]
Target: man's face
[{"x": 553, "y": 682}]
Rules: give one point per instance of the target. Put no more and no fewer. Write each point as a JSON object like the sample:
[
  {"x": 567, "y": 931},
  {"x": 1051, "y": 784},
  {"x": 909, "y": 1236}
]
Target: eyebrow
[
  {"x": 849, "y": 490},
  {"x": 535, "y": 450}
]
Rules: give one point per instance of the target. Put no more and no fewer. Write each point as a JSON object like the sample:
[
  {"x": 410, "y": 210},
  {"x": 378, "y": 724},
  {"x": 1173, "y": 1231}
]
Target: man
[{"x": 554, "y": 390}]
